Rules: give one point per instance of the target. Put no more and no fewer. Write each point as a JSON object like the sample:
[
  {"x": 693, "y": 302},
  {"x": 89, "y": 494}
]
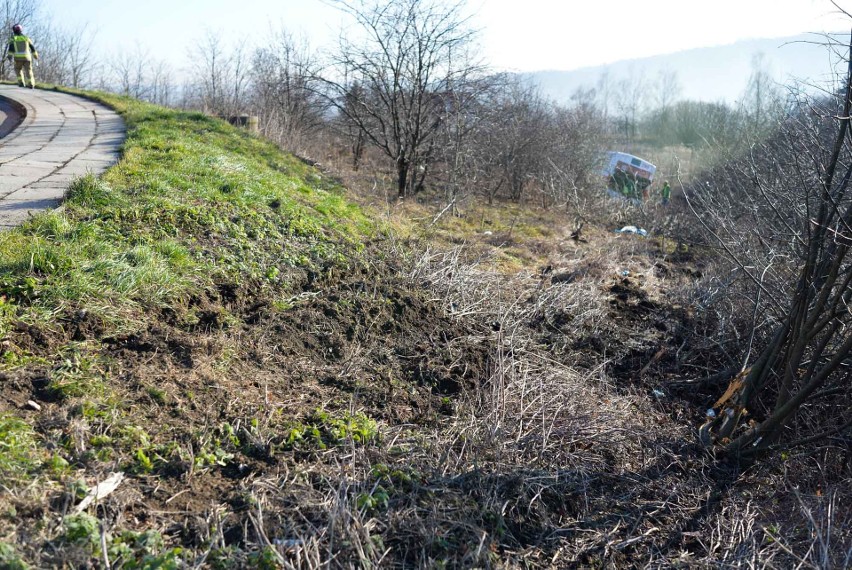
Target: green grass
[
  {"x": 9, "y": 559},
  {"x": 323, "y": 430},
  {"x": 192, "y": 200},
  {"x": 126, "y": 550},
  {"x": 192, "y": 205},
  {"x": 18, "y": 451},
  {"x": 79, "y": 372}
]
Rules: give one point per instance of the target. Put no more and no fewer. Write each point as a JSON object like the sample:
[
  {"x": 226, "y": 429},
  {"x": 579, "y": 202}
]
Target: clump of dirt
[
  {"x": 378, "y": 342},
  {"x": 630, "y": 301}
]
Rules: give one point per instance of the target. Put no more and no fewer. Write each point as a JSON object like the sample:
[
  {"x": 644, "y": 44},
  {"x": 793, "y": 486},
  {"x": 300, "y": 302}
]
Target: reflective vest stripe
[{"x": 22, "y": 47}]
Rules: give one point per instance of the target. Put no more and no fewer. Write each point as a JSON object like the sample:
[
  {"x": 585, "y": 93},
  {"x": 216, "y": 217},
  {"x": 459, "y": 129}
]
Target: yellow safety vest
[{"x": 22, "y": 48}]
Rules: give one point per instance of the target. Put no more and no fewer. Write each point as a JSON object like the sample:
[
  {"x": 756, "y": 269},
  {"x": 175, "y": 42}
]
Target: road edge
[{"x": 12, "y": 123}]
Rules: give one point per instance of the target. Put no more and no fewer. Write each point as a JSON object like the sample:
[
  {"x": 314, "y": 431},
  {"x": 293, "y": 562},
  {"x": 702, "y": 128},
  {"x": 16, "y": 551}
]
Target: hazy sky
[{"x": 521, "y": 35}]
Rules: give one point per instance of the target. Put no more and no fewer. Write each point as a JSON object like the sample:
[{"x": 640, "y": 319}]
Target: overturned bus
[{"x": 627, "y": 176}]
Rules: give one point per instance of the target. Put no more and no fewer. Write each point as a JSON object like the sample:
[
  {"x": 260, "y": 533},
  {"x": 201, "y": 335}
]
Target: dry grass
[
  {"x": 550, "y": 448},
  {"x": 603, "y": 474},
  {"x": 552, "y": 461},
  {"x": 549, "y": 460}
]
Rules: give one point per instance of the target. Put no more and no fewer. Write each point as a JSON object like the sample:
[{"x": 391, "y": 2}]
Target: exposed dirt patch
[
  {"x": 367, "y": 340},
  {"x": 203, "y": 404}
]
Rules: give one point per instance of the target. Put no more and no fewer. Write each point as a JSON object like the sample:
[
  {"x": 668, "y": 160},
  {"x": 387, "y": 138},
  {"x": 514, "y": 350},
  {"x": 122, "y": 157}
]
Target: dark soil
[
  {"x": 259, "y": 361},
  {"x": 366, "y": 341}
]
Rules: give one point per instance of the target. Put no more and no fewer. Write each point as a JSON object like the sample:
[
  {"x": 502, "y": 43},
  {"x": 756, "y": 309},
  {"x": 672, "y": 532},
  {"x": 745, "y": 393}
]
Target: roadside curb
[{"x": 8, "y": 126}]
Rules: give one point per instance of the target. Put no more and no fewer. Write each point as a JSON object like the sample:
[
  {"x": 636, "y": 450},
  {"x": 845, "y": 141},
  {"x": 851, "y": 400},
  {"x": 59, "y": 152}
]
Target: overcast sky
[{"x": 519, "y": 35}]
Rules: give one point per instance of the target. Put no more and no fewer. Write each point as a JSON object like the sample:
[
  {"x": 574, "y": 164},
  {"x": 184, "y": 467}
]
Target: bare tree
[
  {"x": 463, "y": 157},
  {"x": 408, "y": 54},
  {"x": 15, "y": 12},
  {"x": 52, "y": 48},
  {"x": 282, "y": 74},
  {"x": 577, "y": 141},
  {"x": 762, "y": 102},
  {"x": 161, "y": 86},
  {"x": 352, "y": 130},
  {"x": 694, "y": 124},
  {"x": 630, "y": 97},
  {"x": 664, "y": 93},
  {"x": 128, "y": 73},
  {"x": 220, "y": 75},
  {"x": 667, "y": 89},
  {"x": 80, "y": 58},
  {"x": 603, "y": 95},
  {"x": 65, "y": 55},
  {"x": 501, "y": 139},
  {"x": 210, "y": 71},
  {"x": 517, "y": 142}
]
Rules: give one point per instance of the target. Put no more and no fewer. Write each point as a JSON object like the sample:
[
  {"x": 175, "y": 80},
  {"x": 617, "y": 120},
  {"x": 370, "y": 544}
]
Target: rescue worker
[
  {"x": 22, "y": 52},
  {"x": 666, "y": 193},
  {"x": 629, "y": 190}
]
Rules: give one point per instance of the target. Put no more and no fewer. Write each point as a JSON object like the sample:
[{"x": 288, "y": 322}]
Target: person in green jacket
[
  {"x": 22, "y": 52},
  {"x": 666, "y": 192},
  {"x": 629, "y": 190}
]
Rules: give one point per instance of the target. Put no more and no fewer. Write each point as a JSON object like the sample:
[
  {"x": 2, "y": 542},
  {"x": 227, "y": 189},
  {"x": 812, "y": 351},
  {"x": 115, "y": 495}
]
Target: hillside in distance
[{"x": 718, "y": 73}]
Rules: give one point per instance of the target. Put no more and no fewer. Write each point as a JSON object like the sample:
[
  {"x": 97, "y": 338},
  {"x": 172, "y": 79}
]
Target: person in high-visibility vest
[
  {"x": 666, "y": 193},
  {"x": 22, "y": 52}
]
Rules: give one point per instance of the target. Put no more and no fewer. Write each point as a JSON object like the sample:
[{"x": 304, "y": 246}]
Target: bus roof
[{"x": 615, "y": 155}]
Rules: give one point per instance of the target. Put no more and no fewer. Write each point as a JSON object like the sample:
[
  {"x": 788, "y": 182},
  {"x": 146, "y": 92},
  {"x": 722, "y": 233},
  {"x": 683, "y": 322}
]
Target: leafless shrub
[
  {"x": 290, "y": 111},
  {"x": 391, "y": 84},
  {"x": 220, "y": 76},
  {"x": 782, "y": 216},
  {"x": 22, "y": 12},
  {"x": 575, "y": 445}
]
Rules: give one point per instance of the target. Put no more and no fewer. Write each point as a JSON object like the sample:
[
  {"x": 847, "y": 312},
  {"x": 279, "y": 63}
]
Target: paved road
[{"x": 59, "y": 138}]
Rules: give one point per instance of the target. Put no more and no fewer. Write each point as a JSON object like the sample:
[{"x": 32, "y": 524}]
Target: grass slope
[{"x": 183, "y": 320}]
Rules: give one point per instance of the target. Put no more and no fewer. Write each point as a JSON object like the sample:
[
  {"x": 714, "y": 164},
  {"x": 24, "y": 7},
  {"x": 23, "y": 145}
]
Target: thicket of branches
[{"x": 782, "y": 214}]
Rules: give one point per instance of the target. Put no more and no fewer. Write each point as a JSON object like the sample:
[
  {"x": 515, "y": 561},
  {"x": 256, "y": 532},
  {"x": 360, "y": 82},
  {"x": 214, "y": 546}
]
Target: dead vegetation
[
  {"x": 519, "y": 398},
  {"x": 423, "y": 413}
]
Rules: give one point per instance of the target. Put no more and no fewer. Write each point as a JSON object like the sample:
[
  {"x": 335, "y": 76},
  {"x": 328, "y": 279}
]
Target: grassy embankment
[
  {"x": 213, "y": 319},
  {"x": 120, "y": 319},
  {"x": 281, "y": 386}
]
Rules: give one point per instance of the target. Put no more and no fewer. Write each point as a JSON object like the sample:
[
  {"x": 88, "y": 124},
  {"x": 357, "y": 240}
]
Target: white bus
[{"x": 627, "y": 176}]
